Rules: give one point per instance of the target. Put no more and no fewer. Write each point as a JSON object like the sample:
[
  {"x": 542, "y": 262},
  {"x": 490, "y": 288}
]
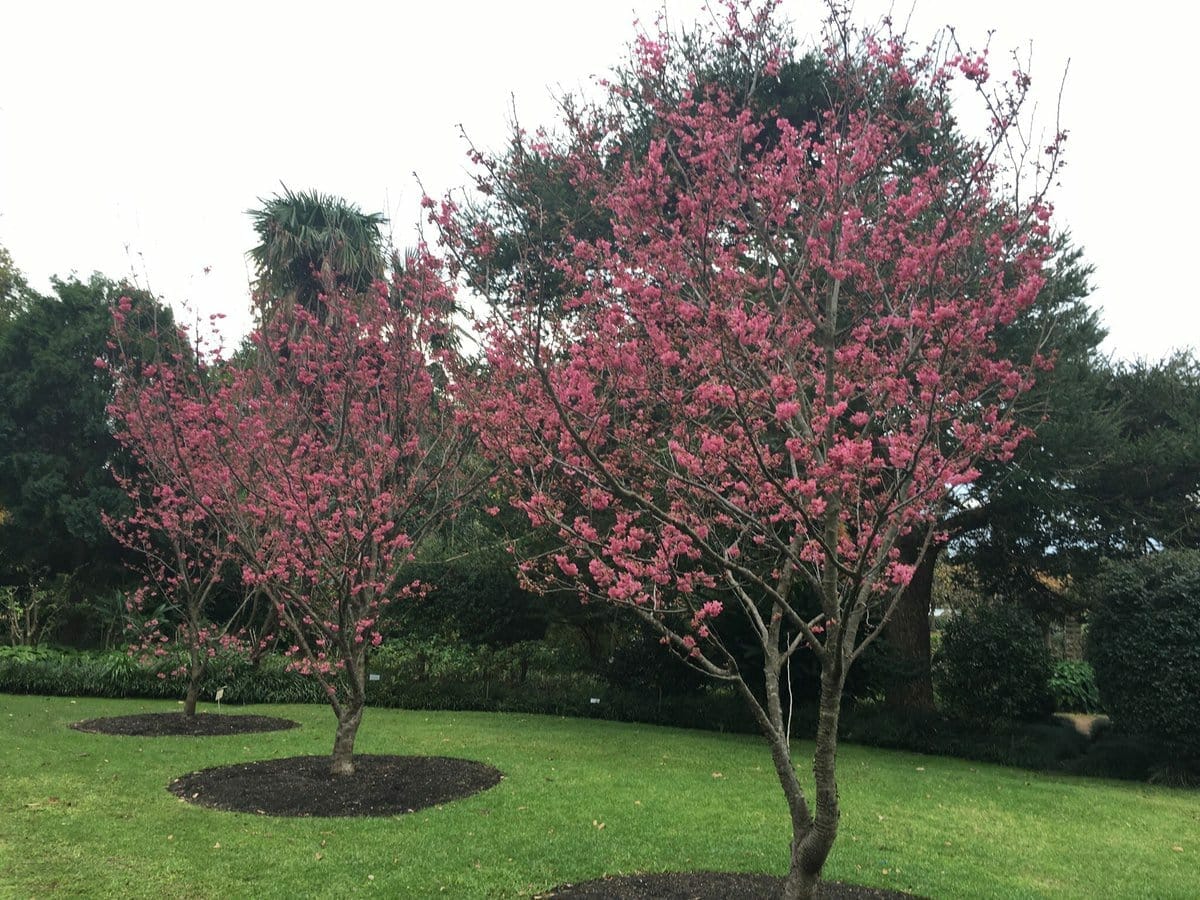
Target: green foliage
[
  {"x": 529, "y": 677},
  {"x": 537, "y": 677},
  {"x": 14, "y": 290},
  {"x": 26, "y": 670},
  {"x": 1114, "y": 471},
  {"x": 1149, "y": 482},
  {"x": 533, "y": 677},
  {"x": 1034, "y": 516},
  {"x": 993, "y": 666},
  {"x": 1073, "y": 684},
  {"x": 1144, "y": 643},
  {"x": 474, "y": 597},
  {"x": 57, "y": 452},
  {"x": 29, "y": 612},
  {"x": 1046, "y": 747}
]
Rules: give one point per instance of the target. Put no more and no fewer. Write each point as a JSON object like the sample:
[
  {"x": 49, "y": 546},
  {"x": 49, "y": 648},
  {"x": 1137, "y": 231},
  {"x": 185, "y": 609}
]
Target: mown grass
[{"x": 88, "y": 815}]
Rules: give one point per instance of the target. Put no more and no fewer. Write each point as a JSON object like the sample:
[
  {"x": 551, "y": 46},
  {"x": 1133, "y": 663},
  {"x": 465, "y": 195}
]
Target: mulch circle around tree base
[
  {"x": 304, "y": 786},
  {"x": 706, "y": 886},
  {"x": 176, "y": 724}
]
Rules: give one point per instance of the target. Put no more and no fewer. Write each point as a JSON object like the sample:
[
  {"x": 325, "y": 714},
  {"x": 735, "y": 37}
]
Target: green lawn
[{"x": 88, "y": 815}]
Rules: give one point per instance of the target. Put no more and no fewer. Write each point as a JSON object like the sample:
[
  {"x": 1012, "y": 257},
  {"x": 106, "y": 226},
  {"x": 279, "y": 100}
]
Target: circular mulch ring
[
  {"x": 304, "y": 786},
  {"x": 176, "y": 724},
  {"x": 706, "y": 886}
]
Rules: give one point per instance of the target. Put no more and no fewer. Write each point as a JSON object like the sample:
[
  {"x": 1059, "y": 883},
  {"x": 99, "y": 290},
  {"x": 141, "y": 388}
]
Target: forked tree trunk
[
  {"x": 814, "y": 839},
  {"x": 812, "y": 835},
  {"x": 800, "y": 883}
]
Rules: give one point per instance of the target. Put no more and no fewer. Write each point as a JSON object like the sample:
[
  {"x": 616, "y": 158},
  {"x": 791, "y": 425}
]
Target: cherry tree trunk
[
  {"x": 342, "y": 761},
  {"x": 812, "y": 836},
  {"x": 195, "y": 676}
]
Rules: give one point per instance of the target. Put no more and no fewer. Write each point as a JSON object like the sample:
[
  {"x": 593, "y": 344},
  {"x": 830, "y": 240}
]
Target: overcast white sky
[{"x": 133, "y": 136}]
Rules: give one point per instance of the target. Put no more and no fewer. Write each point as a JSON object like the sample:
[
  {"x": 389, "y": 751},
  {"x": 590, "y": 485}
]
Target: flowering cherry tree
[
  {"x": 319, "y": 462},
  {"x": 778, "y": 366},
  {"x": 183, "y": 568},
  {"x": 181, "y": 557}
]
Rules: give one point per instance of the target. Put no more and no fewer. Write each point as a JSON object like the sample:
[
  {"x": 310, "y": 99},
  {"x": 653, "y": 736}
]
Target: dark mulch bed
[
  {"x": 706, "y": 886},
  {"x": 304, "y": 786},
  {"x": 176, "y": 724}
]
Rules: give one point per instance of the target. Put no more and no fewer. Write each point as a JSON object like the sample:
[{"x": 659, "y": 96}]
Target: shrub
[
  {"x": 1073, "y": 685},
  {"x": 1144, "y": 644},
  {"x": 993, "y": 666},
  {"x": 25, "y": 670},
  {"x": 1028, "y": 745},
  {"x": 474, "y": 598}
]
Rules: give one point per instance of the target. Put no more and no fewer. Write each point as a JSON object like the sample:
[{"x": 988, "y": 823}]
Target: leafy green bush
[
  {"x": 536, "y": 677},
  {"x": 25, "y": 670},
  {"x": 1144, "y": 644},
  {"x": 473, "y": 599},
  {"x": 993, "y": 666},
  {"x": 1073, "y": 684}
]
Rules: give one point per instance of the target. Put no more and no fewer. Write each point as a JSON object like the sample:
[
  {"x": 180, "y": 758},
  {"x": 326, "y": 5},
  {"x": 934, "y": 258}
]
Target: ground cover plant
[
  {"x": 737, "y": 408},
  {"x": 90, "y": 815}
]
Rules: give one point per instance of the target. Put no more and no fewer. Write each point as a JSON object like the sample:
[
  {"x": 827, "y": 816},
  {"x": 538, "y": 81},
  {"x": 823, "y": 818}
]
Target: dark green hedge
[
  {"x": 993, "y": 666},
  {"x": 529, "y": 677},
  {"x": 536, "y": 678},
  {"x": 1144, "y": 643},
  {"x": 78, "y": 673}
]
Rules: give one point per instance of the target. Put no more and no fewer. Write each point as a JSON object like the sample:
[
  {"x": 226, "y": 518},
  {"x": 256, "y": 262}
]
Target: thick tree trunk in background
[
  {"x": 910, "y": 689},
  {"x": 1073, "y": 638}
]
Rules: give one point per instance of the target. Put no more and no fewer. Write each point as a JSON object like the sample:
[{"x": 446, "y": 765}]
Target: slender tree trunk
[
  {"x": 1072, "y": 637},
  {"x": 795, "y": 887},
  {"x": 342, "y": 761},
  {"x": 270, "y": 624},
  {"x": 910, "y": 689},
  {"x": 195, "y": 676}
]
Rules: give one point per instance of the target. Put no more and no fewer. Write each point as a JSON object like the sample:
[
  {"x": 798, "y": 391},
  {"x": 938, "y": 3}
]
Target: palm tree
[{"x": 310, "y": 243}]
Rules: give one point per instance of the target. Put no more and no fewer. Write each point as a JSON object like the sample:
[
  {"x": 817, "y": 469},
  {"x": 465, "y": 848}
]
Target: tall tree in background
[
  {"x": 309, "y": 242},
  {"x": 57, "y": 450},
  {"x": 776, "y": 369},
  {"x": 14, "y": 290},
  {"x": 1016, "y": 521},
  {"x": 1149, "y": 486}
]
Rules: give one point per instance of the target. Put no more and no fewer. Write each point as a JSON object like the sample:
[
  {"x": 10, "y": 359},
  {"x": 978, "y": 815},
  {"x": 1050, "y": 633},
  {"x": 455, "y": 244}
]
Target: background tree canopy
[{"x": 56, "y": 444}]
